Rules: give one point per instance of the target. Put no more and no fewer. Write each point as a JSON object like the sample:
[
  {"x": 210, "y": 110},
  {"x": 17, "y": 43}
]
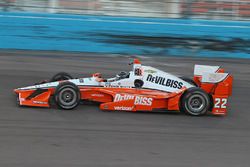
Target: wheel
[
  {"x": 61, "y": 76},
  {"x": 189, "y": 80},
  {"x": 195, "y": 102},
  {"x": 67, "y": 96}
]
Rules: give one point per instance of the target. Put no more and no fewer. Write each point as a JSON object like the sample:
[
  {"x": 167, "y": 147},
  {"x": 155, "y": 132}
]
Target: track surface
[{"x": 90, "y": 137}]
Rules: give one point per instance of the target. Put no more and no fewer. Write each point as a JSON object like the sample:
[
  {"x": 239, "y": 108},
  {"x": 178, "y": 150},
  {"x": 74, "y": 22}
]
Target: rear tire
[
  {"x": 195, "y": 102},
  {"x": 67, "y": 96},
  {"x": 61, "y": 76}
]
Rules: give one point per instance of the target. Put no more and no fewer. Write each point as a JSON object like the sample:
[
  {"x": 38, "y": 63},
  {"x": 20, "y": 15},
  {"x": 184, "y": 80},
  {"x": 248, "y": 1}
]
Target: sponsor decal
[
  {"x": 138, "y": 72},
  {"x": 117, "y": 86},
  {"x": 81, "y": 80},
  {"x": 97, "y": 95},
  {"x": 39, "y": 102},
  {"x": 150, "y": 71},
  {"x": 164, "y": 82},
  {"x": 108, "y": 84},
  {"x": 21, "y": 99},
  {"x": 105, "y": 106},
  {"x": 123, "y": 108},
  {"x": 143, "y": 101},
  {"x": 40, "y": 86},
  {"x": 138, "y": 100},
  {"x": 215, "y": 77}
]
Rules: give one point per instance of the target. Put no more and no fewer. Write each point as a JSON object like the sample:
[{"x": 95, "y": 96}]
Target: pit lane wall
[{"x": 125, "y": 35}]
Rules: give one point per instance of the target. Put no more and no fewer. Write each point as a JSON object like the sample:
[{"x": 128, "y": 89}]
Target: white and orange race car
[{"x": 143, "y": 89}]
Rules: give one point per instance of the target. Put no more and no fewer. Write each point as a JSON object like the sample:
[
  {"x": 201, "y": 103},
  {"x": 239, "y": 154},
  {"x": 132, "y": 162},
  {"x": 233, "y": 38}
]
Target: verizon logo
[{"x": 123, "y": 108}]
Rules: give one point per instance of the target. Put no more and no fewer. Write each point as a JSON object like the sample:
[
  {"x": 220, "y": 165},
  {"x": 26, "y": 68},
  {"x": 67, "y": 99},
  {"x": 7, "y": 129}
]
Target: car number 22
[{"x": 220, "y": 103}]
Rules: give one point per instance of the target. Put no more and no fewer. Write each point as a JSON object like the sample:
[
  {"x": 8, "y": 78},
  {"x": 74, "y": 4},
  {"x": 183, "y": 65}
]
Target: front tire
[
  {"x": 67, "y": 96},
  {"x": 61, "y": 76},
  {"x": 195, "y": 102}
]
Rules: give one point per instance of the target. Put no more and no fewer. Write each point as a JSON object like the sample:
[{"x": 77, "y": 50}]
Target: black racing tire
[
  {"x": 189, "y": 80},
  {"x": 67, "y": 96},
  {"x": 195, "y": 101},
  {"x": 61, "y": 76}
]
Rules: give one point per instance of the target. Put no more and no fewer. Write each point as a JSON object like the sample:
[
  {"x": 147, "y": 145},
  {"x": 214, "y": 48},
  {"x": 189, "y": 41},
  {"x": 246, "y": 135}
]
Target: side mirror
[{"x": 138, "y": 83}]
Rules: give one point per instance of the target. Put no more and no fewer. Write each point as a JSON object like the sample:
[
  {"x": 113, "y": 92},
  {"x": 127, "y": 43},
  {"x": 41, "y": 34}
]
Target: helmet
[
  {"x": 121, "y": 75},
  {"x": 97, "y": 75}
]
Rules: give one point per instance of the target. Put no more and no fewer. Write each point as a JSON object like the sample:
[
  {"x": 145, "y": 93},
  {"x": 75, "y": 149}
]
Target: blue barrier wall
[{"x": 105, "y": 34}]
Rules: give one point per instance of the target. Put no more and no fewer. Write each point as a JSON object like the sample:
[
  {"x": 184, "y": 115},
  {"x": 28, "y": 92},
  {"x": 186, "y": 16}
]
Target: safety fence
[
  {"x": 202, "y": 9},
  {"x": 125, "y": 35}
]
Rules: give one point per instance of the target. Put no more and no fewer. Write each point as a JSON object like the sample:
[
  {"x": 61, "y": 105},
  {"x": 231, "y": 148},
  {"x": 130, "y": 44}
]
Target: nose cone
[{"x": 16, "y": 90}]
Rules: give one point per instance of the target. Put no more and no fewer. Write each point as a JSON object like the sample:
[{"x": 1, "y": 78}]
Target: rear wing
[{"x": 215, "y": 82}]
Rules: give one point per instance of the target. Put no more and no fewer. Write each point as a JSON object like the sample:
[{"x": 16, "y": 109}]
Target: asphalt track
[{"x": 89, "y": 137}]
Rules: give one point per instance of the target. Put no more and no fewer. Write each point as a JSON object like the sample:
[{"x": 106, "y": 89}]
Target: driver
[
  {"x": 98, "y": 77},
  {"x": 120, "y": 75}
]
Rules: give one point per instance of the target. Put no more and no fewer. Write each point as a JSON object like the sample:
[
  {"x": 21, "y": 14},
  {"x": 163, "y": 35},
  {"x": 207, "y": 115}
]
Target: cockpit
[
  {"x": 119, "y": 76},
  {"x": 136, "y": 72},
  {"x": 122, "y": 75}
]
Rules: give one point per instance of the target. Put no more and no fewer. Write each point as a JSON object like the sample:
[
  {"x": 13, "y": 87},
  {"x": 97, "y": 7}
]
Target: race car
[{"x": 144, "y": 88}]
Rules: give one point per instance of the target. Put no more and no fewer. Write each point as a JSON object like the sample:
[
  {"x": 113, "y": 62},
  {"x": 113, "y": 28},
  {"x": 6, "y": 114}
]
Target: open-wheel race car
[{"x": 144, "y": 88}]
